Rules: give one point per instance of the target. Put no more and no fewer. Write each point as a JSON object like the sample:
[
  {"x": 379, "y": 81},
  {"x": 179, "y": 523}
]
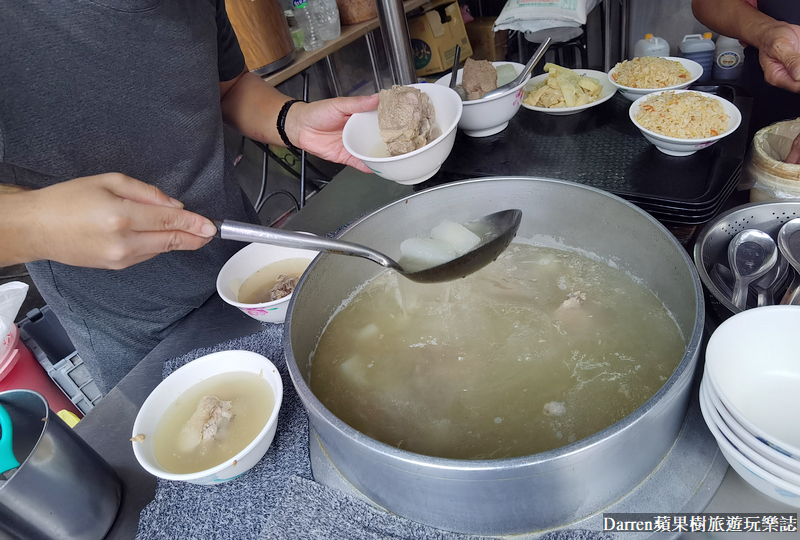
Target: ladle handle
[
  {"x": 739, "y": 295},
  {"x": 533, "y": 61},
  {"x": 247, "y": 232},
  {"x": 792, "y": 295}
]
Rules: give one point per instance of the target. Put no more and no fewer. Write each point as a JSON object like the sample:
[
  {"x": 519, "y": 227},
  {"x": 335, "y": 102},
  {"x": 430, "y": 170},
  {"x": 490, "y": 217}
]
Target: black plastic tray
[{"x": 601, "y": 147}]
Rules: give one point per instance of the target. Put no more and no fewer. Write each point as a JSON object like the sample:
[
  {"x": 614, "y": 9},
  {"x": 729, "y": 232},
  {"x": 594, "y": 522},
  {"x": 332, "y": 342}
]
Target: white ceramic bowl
[
  {"x": 695, "y": 71},
  {"x": 606, "y": 93},
  {"x": 183, "y": 379},
  {"x": 243, "y": 264},
  {"x": 761, "y": 448},
  {"x": 765, "y": 482},
  {"x": 484, "y": 117},
  {"x": 674, "y": 146},
  {"x": 361, "y": 137},
  {"x": 753, "y": 364},
  {"x": 718, "y": 427}
]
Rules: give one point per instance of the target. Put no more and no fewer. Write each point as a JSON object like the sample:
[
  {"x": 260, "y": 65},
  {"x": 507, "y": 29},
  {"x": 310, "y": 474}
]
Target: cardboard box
[
  {"x": 486, "y": 43},
  {"x": 434, "y": 36}
]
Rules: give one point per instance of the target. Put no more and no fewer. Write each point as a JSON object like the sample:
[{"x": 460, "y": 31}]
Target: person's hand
[
  {"x": 794, "y": 152},
  {"x": 110, "y": 221},
  {"x": 779, "y": 55},
  {"x": 317, "y": 126}
]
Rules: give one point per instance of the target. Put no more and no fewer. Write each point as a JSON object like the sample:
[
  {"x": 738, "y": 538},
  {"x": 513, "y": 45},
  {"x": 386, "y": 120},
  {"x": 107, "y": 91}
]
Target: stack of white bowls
[{"x": 750, "y": 395}]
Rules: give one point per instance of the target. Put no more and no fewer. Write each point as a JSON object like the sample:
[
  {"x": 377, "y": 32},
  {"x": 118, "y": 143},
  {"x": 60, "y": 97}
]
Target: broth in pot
[{"x": 542, "y": 348}]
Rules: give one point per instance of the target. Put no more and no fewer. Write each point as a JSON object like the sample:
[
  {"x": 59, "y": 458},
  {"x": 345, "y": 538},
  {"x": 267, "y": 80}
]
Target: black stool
[{"x": 567, "y": 47}]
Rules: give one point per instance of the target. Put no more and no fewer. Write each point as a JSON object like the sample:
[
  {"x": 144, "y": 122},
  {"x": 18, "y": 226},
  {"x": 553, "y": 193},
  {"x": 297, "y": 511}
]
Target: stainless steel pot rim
[{"x": 549, "y": 457}]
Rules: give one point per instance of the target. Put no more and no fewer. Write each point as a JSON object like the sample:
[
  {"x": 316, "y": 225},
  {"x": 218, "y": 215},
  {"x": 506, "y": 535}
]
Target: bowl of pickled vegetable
[{"x": 562, "y": 91}]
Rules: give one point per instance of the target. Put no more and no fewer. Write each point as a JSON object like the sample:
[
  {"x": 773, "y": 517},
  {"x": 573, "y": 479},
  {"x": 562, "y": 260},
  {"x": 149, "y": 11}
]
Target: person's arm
[
  {"x": 106, "y": 221},
  {"x": 738, "y": 19},
  {"x": 778, "y": 42},
  {"x": 252, "y": 106}
]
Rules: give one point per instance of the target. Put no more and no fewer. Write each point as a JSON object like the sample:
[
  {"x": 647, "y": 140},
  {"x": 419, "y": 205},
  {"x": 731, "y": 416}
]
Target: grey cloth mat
[{"x": 278, "y": 498}]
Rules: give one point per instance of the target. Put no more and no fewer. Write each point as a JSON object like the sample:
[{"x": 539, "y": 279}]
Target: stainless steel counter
[{"x": 351, "y": 194}]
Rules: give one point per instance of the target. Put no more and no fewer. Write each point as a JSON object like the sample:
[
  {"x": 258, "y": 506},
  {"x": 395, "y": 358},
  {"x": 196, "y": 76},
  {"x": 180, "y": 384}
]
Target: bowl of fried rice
[
  {"x": 647, "y": 74},
  {"x": 681, "y": 122}
]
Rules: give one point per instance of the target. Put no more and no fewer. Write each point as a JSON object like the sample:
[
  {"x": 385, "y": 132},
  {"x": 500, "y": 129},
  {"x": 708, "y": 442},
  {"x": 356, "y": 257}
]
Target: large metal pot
[{"x": 526, "y": 494}]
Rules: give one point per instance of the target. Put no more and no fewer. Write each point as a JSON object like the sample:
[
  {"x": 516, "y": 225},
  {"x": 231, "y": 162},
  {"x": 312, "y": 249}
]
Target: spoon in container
[
  {"x": 789, "y": 244},
  {"x": 501, "y": 227},
  {"x": 454, "y": 71},
  {"x": 524, "y": 73},
  {"x": 751, "y": 254},
  {"x": 766, "y": 284}
]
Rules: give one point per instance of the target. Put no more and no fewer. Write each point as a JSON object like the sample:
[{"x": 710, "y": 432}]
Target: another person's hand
[
  {"x": 317, "y": 126},
  {"x": 108, "y": 221},
  {"x": 794, "y": 153},
  {"x": 779, "y": 55}
]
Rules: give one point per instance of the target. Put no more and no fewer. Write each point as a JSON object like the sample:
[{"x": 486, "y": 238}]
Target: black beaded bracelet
[{"x": 282, "y": 123}]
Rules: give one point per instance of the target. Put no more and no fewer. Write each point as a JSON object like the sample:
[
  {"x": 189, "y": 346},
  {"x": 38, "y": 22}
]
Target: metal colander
[{"x": 711, "y": 248}]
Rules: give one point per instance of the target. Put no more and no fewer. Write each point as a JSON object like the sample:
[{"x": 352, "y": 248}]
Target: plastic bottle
[
  {"x": 294, "y": 29},
  {"x": 302, "y": 12},
  {"x": 651, "y": 46},
  {"x": 325, "y": 14},
  {"x": 728, "y": 59},
  {"x": 700, "y": 48}
]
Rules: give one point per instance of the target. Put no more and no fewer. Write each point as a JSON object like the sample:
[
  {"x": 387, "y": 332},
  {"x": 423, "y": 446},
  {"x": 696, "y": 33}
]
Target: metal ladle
[
  {"x": 751, "y": 254},
  {"x": 503, "y": 228},
  {"x": 789, "y": 245},
  {"x": 524, "y": 73}
]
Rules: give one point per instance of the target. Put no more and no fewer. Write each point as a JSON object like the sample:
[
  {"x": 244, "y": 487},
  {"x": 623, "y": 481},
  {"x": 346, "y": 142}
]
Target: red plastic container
[{"x": 19, "y": 369}]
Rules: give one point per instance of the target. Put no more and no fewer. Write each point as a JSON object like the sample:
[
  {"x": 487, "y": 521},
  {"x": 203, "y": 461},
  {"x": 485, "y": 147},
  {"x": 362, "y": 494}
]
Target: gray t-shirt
[{"x": 130, "y": 86}]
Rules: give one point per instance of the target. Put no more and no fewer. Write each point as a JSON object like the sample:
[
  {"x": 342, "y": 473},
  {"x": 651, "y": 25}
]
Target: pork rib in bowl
[
  {"x": 543, "y": 489},
  {"x": 361, "y": 137}
]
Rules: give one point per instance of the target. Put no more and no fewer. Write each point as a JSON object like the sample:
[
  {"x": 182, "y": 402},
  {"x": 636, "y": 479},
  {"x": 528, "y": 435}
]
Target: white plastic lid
[
  {"x": 728, "y": 43},
  {"x": 697, "y": 43}
]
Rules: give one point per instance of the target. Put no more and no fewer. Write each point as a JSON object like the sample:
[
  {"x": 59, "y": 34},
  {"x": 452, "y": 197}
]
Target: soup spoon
[
  {"x": 751, "y": 254},
  {"x": 502, "y": 228},
  {"x": 766, "y": 284},
  {"x": 789, "y": 244}
]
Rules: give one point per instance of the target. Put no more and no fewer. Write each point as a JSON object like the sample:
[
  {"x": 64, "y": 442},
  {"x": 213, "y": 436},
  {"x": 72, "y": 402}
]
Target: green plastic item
[{"x": 7, "y": 459}]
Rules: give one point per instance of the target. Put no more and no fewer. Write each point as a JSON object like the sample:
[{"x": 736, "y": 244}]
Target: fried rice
[
  {"x": 684, "y": 115},
  {"x": 650, "y": 72}
]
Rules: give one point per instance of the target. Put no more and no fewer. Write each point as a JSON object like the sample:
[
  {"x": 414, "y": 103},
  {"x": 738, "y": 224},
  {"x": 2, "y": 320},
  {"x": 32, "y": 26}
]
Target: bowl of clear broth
[
  {"x": 259, "y": 279},
  {"x": 211, "y": 420}
]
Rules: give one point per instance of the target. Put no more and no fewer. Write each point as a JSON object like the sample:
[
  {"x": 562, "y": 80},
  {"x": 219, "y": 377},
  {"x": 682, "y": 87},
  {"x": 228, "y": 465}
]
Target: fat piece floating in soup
[{"x": 540, "y": 349}]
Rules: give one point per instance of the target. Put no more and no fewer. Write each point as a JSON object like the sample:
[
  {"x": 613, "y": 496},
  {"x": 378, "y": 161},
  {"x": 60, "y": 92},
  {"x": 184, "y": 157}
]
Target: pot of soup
[{"x": 527, "y": 396}]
